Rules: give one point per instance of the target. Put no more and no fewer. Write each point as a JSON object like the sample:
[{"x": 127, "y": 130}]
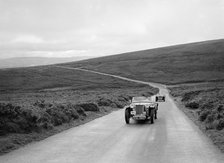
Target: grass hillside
[
  {"x": 47, "y": 77},
  {"x": 195, "y": 62}
]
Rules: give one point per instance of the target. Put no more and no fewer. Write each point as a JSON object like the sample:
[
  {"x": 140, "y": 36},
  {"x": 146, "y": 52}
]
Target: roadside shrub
[
  {"x": 203, "y": 115},
  {"x": 189, "y": 95},
  {"x": 15, "y": 119},
  {"x": 207, "y": 105},
  {"x": 113, "y": 105},
  {"x": 220, "y": 108},
  {"x": 62, "y": 114},
  {"x": 104, "y": 102},
  {"x": 41, "y": 104},
  {"x": 209, "y": 126},
  {"x": 123, "y": 98},
  {"x": 192, "y": 105},
  {"x": 120, "y": 102},
  {"x": 210, "y": 118},
  {"x": 220, "y": 125},
  {"x": 89, "y": 107},
  {"x": 44, "y": 121},
  {"x": 220, "y": 116},
  {"x": 11, "y": 127},
  {"x": 80, "y": 110}
]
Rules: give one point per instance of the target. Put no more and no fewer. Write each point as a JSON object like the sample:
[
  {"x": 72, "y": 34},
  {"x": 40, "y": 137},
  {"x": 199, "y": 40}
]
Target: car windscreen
[{"x": 141, "y": 99}]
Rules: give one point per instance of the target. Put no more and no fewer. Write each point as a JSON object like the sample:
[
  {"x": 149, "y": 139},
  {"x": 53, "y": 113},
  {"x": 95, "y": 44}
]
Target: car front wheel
[
  {"x": 127, "y": 116},
  {"x": 156, "y": 114},
  {"x": 152, "y": 116}
]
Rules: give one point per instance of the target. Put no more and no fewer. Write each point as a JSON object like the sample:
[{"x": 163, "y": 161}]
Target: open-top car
[
  {"x": 141, "y": 108},
  {"x": 160, "y": 98}
]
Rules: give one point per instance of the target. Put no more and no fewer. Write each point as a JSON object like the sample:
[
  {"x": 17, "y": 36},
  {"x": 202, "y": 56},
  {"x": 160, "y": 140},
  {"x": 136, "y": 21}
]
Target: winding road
[{"x": 173, "y": 138}]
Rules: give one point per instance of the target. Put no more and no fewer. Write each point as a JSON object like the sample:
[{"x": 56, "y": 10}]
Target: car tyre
[
  {"x": 152, "y": 116},
  {"x": 155, "y": 114},
  {"x": 127, "y": 116}
]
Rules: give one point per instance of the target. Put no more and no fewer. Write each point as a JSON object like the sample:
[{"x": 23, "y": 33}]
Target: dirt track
[{"x": 172, "y": 138}]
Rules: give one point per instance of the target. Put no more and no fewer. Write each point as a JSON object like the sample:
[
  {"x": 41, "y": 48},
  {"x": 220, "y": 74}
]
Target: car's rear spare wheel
[{"x": 127, "y": 116}]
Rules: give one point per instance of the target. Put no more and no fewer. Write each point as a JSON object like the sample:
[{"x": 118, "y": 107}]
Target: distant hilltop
[{"x": 36, "y": 61}]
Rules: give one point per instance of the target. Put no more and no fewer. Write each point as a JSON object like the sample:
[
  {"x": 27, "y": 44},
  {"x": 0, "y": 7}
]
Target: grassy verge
[
  {"x": 27, "y": 117},
  {"x": 204, "y": 104}
]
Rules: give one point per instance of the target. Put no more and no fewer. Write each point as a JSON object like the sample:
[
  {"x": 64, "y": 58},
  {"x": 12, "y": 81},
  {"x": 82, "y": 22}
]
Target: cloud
[
  {"x": 44, "y": 53},
  {"x": 105, "y": 27},
  {"x": 65, "y": 53},
  {"x": 28, "y": 39}
]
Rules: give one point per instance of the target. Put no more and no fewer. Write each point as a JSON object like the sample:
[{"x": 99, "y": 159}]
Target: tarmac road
[{"x": 173, "y": 138}]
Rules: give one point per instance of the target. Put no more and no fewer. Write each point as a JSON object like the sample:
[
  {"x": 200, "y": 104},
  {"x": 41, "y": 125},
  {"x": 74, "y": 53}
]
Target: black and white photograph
[{"x": 111, "y": 81}]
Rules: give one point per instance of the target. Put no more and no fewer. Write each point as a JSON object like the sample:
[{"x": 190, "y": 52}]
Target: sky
[{"x": 72, "y": 28}]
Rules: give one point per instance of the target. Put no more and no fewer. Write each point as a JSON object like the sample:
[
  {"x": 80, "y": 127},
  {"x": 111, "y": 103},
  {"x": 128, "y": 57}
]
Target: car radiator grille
[{"x": 139, "y": 109}]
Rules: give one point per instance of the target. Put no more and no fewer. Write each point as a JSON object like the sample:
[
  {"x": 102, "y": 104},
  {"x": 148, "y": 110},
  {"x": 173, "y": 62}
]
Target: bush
[
  {"x": 119, "y": 104},
  {"x": 220, "y": 108},
  {"x": 189, "y": 95},
  {"x": 15, "y": 119},
  {"x": 89, "y": 107},
  {"x": 207, "y": 105},
  {"x": 220, "y": 116},
  {"x": 104, "y": 102},
  {"x": 220, "y": 125},
  {"x": 210, "y": 118},
  {"x": 203, "y": 115},
  {"x": 80, "y": 110},
  {"x": 123, "y": 98},
  {"x": 62, "y": 114},
  {"x": 41, "y": 104},
  {"x": 192, "y": 105},
  {"x": 12, "y": 127},
  {"x": 116, "y": 103}
]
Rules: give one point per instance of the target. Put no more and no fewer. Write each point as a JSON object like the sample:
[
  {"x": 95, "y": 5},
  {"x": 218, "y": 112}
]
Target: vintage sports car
[
  {"x": 141, "y": 108},
  {"x": 160, "y": 98}
]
